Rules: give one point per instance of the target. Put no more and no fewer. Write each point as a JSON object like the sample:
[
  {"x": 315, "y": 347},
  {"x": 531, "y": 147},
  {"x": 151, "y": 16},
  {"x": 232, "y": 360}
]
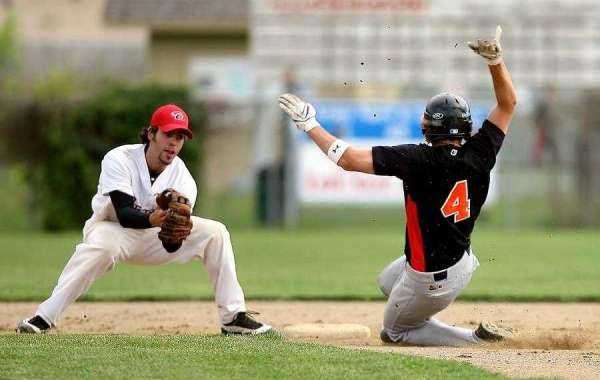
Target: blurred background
[{"x": 78, "y": 77}]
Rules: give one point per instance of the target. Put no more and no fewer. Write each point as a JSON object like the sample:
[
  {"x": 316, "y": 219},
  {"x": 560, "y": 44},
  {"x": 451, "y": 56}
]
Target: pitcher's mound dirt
[{"x": 552, "y": 340}]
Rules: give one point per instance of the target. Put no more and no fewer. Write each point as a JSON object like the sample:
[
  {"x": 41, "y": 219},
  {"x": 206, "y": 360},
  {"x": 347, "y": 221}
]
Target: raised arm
[
  {"x": 506, "y": 96},
  {"x": 341, "y": 153}
]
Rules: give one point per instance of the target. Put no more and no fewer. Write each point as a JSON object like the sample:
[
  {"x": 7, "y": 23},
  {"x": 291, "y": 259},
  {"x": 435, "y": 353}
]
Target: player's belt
[
  {"x": 439, "y": 276},
  {"x": 442, "y": 275},
  {"x": 426, "y": 277}
]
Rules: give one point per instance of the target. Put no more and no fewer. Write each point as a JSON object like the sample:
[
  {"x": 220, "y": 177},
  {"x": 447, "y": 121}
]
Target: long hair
[{"x": 144, "y": 134}]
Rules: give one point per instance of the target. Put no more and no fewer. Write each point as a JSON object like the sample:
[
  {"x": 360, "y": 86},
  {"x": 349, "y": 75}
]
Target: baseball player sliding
[
  {"x": 131, "y": 224},
  {"x": 445, "y": 184}
]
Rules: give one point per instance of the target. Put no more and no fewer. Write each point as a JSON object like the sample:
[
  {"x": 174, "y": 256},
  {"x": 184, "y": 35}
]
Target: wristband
[
  {"x": 336, "y": 150},
  {"x": 495, "y": 61}
]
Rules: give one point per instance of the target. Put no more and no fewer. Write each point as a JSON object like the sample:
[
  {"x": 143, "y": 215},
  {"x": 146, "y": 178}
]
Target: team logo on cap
[
  {"x": 177, "y": 115},
  {"x": 438, "y": 116}
]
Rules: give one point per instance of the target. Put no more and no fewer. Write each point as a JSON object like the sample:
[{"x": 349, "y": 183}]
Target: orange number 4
[{"x": 458, "y": 203}]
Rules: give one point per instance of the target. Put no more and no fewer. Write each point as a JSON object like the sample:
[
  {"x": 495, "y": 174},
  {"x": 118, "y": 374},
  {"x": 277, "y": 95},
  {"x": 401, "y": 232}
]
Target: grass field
[
  {"x": 320, "y": 264},
  {"x": 214, "y": 357},
  {"x": 336, "y": 263}
]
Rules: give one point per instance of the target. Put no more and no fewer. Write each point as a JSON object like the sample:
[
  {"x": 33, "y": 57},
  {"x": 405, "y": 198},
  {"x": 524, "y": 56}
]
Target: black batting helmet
[{"x": 447, "y": 116}]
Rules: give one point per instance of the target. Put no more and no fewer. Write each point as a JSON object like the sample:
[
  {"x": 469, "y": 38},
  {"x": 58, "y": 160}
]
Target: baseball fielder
[
  {"x": 445, "y": 185},
  {"x": 126, "y": 223}
]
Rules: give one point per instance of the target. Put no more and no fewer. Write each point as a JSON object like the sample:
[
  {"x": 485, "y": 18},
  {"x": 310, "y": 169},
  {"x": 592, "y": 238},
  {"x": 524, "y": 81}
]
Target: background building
[{"x": 236, "y": 56}]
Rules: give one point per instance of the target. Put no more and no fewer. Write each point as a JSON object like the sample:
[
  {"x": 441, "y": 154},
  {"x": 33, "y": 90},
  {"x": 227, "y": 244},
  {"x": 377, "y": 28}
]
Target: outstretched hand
[
  {"x": 301, "y": 112},
  {"x": 490, "y": 50}
]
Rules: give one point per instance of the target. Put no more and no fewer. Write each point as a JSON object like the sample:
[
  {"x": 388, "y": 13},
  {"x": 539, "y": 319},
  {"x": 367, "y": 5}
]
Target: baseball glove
[{"x": 178, "y": 224}]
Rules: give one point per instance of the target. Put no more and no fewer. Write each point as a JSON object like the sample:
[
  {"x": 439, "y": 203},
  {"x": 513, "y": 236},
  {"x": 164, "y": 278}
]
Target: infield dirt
[{"x": 552, "y": 340}]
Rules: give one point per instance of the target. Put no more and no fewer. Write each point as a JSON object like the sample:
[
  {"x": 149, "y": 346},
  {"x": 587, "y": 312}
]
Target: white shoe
[{"x": 27, "y": 327}]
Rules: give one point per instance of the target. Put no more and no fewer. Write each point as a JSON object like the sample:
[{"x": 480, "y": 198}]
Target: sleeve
[
  {"x": 129, "y": 216},
  {"x": 399, "y": 160},
  {"x": 115, "y": 175},
  {"x": 485, "y": 145},
  {"x": 188, "y": 186},
  {"x": 192, "y": 192}
]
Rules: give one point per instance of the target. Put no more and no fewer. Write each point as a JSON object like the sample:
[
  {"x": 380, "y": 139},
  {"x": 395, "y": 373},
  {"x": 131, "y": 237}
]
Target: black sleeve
[
  {"x": 485, "y": 145},
  {"x": 399, "y": 160},
  {"x": 129, "y": 216}
]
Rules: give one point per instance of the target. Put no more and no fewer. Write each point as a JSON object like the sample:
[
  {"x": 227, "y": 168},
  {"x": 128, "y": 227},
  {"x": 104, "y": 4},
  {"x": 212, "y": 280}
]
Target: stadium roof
[{"x": 180, "y": 14}]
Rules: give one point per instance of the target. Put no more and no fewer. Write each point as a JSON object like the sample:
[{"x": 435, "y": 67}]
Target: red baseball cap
[{"x": 170, "y": 118}]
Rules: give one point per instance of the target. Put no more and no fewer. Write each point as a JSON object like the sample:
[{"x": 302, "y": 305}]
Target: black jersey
[{"x": 444, "y": 189}]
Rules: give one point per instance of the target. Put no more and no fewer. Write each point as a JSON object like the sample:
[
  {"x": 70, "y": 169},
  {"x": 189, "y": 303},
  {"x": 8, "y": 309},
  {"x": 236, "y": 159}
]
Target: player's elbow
[
  {"x": 512, "y": 103},
  {"x": 125, "y": 223},
  {"x": 509, "y": 103},
  {"x": 123, "y": 220},
  {"x": 508, "y": 107}
]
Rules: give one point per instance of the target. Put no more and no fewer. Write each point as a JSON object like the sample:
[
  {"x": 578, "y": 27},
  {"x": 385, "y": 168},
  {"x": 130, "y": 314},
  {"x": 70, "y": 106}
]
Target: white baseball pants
[
  {"x": 414, "y": 297},
  {"x": 107, "y": 243}
]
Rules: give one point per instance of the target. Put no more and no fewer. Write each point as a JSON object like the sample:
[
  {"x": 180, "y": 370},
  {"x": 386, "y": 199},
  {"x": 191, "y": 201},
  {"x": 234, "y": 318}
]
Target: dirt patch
[{"x": 552, "y": 339}]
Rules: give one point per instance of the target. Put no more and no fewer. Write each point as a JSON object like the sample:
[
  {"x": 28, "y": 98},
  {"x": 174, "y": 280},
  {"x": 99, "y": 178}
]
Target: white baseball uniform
[{"x": 106, "y": 242}]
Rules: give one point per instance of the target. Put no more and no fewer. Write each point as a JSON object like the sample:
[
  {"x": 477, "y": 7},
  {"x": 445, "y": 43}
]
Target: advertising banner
[{"x": 364, "y": 124}]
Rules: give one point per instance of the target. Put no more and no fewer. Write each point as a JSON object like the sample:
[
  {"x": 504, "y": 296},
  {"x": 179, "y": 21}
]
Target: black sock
[{"x": 38, "y": 322}]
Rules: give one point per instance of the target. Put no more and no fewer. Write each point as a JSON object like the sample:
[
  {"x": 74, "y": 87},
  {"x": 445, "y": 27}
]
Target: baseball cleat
[
  {"x": 35, "y": 325},
  {"x": 489, "y": 332},
  {"x": 244, "y": 324}
]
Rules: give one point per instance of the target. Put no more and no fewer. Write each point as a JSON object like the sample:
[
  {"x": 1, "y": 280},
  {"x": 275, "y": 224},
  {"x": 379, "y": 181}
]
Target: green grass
[
  {"x": 15, "y": 215},
  {"x": 238, "y": 211},
  {"x": 209, "y": 357},
  {"x": 333, "y": 263}
]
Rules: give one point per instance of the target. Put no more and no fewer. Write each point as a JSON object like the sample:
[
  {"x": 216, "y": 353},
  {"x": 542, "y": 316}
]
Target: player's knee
[
  {"x": 213, "y": 230},
  {"x": 384, "y": 284},
  {"x": 386, "y": 281},
  {"x": 390, "y": 275},
  {"x": 219, "y": 230},
  {"x": 223, "y": 229}
]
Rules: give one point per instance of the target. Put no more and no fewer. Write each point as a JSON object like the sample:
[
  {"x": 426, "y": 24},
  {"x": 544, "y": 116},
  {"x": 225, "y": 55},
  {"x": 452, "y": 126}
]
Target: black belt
[
  {"x": 442, "y": 275},
  {"x": 439, "y": 276}
]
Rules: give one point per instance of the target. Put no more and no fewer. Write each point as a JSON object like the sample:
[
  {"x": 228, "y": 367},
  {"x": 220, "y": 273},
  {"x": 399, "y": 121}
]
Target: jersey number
[{"x": 458, "y": 203}]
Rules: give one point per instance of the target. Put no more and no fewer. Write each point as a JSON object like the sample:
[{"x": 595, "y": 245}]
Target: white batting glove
[
  {"x": 301, "y": 112},
  {"x": 490, "y": 50}
]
